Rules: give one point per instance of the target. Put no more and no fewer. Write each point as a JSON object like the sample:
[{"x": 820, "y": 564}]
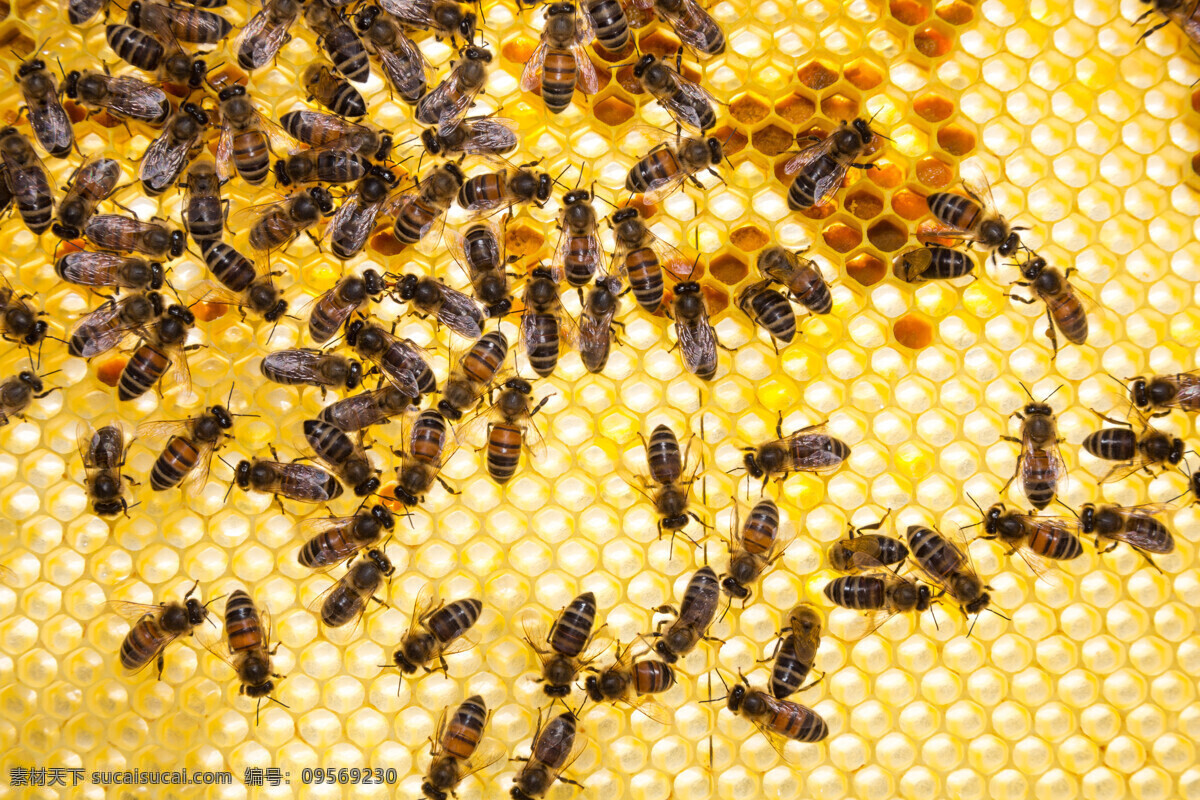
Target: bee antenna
[
  {"x": 606, "y": 201},
  {"x": 973, "y": 502},
  {"x": 998, "y": 614}
]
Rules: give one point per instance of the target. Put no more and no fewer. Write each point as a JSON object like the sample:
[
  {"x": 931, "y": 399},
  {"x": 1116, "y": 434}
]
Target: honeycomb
[{"x": 1087, "y": 137}]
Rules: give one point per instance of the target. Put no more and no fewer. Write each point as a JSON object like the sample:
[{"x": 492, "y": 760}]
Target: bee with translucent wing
[
  {"x": 866, "y": 552},
  {"x": 632, "y": 679},
  {"x": 103, "y": 452},
  {"x": 248, "y": 636},
  {"x": 1040, "y": 464},
  {"x": 695, "y": 616},
  {"x": 555, "y": 747},
  {"x": 1136, "y": 526},
  {"x": 344, "y": 604},
  {"x": 753, "y": 548},
  {"x": 820, "y": 168},
  {"x": 1038, "y": 540},
  {"x": 267, "y": 31},
  {"x": 560, "y": 64},
  {"x": 807, "y": 450},
  {"x": 155, "y": 627},
  {"x": 49, "y": 121},
  {"x": 1132, "y": 450},
  {"x": 438, "y": 629},
  {"x": 946, "y": 564},
  {"x": 332, "y": 540},
  {"x": 972, "y": 219},
  {"x": 569, "y": 646},
  {"x": 457, "y": 749}
]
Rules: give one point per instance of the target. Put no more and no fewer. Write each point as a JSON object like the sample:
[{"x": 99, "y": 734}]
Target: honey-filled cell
[{"x": 1042, "y": 678}]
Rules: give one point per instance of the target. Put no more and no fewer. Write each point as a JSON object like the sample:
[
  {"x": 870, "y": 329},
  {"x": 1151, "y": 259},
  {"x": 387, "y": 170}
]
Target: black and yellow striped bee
[
  {"x": 559, "y": 64},
  {"x": 820, "y": 168},
  {"x": 156, "y": 627}
]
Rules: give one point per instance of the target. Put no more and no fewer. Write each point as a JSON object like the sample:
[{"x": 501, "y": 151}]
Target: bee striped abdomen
[
  {"x": 1050, "y": 542},
  {"x": 141, "y": 372},
  {"x": 1113, "y": 444},
  {"x": 798, "y": 723},
  {"x": 250, "y": 156},
  {"x": 645, "y": 277},
  {"x": 503, "y": 451},
  {"x": 454, "y": 619},
  {"x": 610, "y": 23},
  {"x": 954, "y": 210},
  {"x": 134, "y": 46},
  {"x": 177, "y": 459},
  {"x": 652, "y": 677},
  {"x": 761, "y": 528},
  {"x": 142, "y": 643},
  {"x": 542, "y": 343},
  {"x": 1070, "y": 316},
  {"x": 858, "y": 592},
  {"x": 789, "y": 671},
  {"x": 574, "y": 626},
  {"x": 243, "y": 626},
  {"x": 559, "y": 73},
  {"x": 321, "y": 551},
  {"x": 663, "y": 456},
  {"x": 1039, "y": 477},
  {"x": 485, "y": 358},
  {"x": 655, "y": 167},
  {"x": 428, "y": 437},
  {"x": 414, "y": 220},
  {"x": 465, "y": 728}
]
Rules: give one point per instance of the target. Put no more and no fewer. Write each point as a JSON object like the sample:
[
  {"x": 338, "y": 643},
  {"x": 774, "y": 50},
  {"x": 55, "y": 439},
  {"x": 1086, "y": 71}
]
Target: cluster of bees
[{"x": 339, "y": 157}]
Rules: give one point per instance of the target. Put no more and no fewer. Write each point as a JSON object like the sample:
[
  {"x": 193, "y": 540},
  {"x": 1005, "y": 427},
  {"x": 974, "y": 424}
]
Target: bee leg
[
  {"x": 570, "y": 781},
  {"x": 160, "y": 666},
  {"x": 814, "y": 683},
  {"x": 1051, "y": 335},
  {"x": 447, "y": 486}
]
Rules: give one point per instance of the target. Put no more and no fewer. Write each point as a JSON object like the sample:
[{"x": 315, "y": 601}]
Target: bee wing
[
  {"x": 651, "y": 708},
  {"x": 405, "y": 58},
  {"x": 136, "y": 98},
  {"x": 488, "y": 752},
  {"x": 1187, "y": 389},
  {"x": 537, "y": 636},
  {"x": 195, "y": 482},
  {"x": 806, "y": 156},
  {"x": 132, "y": 612},
  {"x": 980, "y": 189},
  {"x": 107, "y": 338},
  {"x": 577, "y": 748},
  {"x": 586, "y": 78},
  {"x": 411, "y": 12},
  {"x": 779, "y": 743},
  {"x": 162, "y": 429},
  {"x": 453, "y": 113},
  {"x": 1142, "y": 541},
  {"x": 660, "y": 188},
  {"x": 697, "y": 343},
  {"x": 681, "y": 21},
  {"x": 84, "y": 434},
  {"x": 816, "y": 459},
  {"x": 353, "y": 222},
  {"x": 261, "y": 39},
  {"x": 1126, "y": 468},
  {"x": 181, "y": 374},
  {"x": 594, "y": 250},
  {"x": 460, "y": 644},
  {"x": 224, "y": 154},
  {"x": 460, "y": 313},
  {"x": 531, "y": 76},
  {"x": 681, "y": 104},
  {"x": 491, "y": 135}
]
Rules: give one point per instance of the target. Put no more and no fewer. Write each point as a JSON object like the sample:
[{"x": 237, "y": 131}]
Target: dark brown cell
[
  {"x": 816, "y": 75},
  {"x": 749, "y": 109},
  {"x": 729, "y": 270},
  {"x": 887, "y": 235},
  {"x": 933, "y": 107},
  {"x": 863, "y": 204},
  {"x": 796, "y": 109},
  {"x": 956, "y": 140},
  {"x": 772, "y": 140},
  {"x": 749, "y": 238},
  {"x": 613, "y": 111}
]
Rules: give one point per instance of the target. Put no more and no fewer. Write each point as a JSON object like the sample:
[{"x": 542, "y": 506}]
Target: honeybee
[
  {"x": 123, "y": 96},
  {"x": 769, "y": 310},
  {"x": 610, "y": 22},
  {"x": 277, "y": 224},
  {"x": 447, "y": 103},
  {"x": 158, "y": 51},
  {"x": 932, "y": 263},
  {"x": 820, "y": 168},
  {"x": 332, "y": 91},
  {"x": 596, "y": 321},
  {"x": 696, "y": 615},
  {"x": 369, "y": 408},
  {"x": 665, "y": 168},
  {"x": 404, "y": 66},
  {"x": 204, "y": 211},
  {"x": 1133, "y": 525},
  {"x": 883, "y": 594},
  {"x": 245, "y": 138},
  {"x": 432, "y": 297},
  {"x": 778, "y": 720},
  {"x": 18, "y": 392},
  {"x": 1037, "y": 539},
  {"x": 1040, "y": 464},
  {"x": 426, "y": 454},
  {"x": 511, "y": 429},
  {"x": 18, "y": 321},
  {"x": 155, "y": 627},
  {"x": 437, "y": 630},
  {"x": 1134, "y": 451},
  {"x": 338, "y": 40},
  {"x": 103, "y": 453},
  {"x": 346, "y": 601},
  {"x": 189, "y": 449},
  {"x": 632, "y": 679},
  {"x": 334, "y": 539},
  {"x": 753, "y": 549},
  {"x": 248, "y": 634},
  {"x": 694, "y": 26},
  {"x": 319, "y": 130},
  {"x": 797, "y": 651},
  {"x": 800, "y": 276},
  {"x": 257, "y": 292},
  {"x": 578, "y": 253},
  {"x": 666, "y": 486},
  {"x": 331, "y": 310},
  {"x": 354, "y": 220},
  {"x": 1177, "y": 11},
  {"x": 456, "y": 750},
  {"x": 131, "y": 235},
  {"x": 488, "y": 192},
  {"x": 321, "y": 165},
  {"x": 266, "y": 32},
  {"x": 443, "y": 17},
  {"x": 101, "y": 330},
  {"x": 639, "y": 256},
  {"x": 27, "y": 180},
  {"x": 694, "y": 331},
  {"x": 303, "y": 483},
  {"x": 347, "y": 459},
  {"x": 93, "y": 182},
  {"x": 688, "y": 104},
  {"x": 1064, "y": 308},
  {"x": 308, "y": 366},
  {"x": 49, "y": 121},
  {"x": 416, "y": 211},
  {"x": 480, "y": 250},
  {"x": 555, "y": 747},
  {"x": 559, "y": 63},
  {"x": 561, "y": 651},
  {"x": 171, "y": 151},
  {"x": 185, "y": 23},
  {"x": 543, "y": 333},
  {"x": 473, "y": 375},
  {"x": 973, "y": 219},
  {"x": 946, "y": 564},
  {"x": 1161, "y": 393},
  {"x": 401, "y": 361},
  {"x": 807, "y": 450},
  {"x": 863, "y": 552},
  {"x": 161, "y": 348},
  {"x": 97, "y": 270},
  {"x": 81, "y": 12},
  {"x": 473, "y": 136}
]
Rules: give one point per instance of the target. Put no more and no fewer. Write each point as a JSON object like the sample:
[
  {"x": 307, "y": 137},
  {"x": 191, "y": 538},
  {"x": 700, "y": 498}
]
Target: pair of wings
[
  {"x": 586, "y": 79},
  {"x": 452, "y": 99},
  {"x": 263, "y": 35},
  {"x": 101, "y": 453},
  {"x": 683, "y": 99},
  {"x": 133, "y": 613},
  {"x": 425, "y": 605},
  {"x": 194, "y": 481},
  {"x": 826, "y": 185},
  {"x": 132, "y": 97},
  {"x": 816, "y": 459},
  {"x": 487, "y": 751},
  {"x": 404, "y": 379},
  {"x": 345, "y": 633},
  {"x": 276, "y": 140},
  {"x": 48, "y": 119},
  {"x": 697, "y": 342},
  {"x": 404, "y": 65}
]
